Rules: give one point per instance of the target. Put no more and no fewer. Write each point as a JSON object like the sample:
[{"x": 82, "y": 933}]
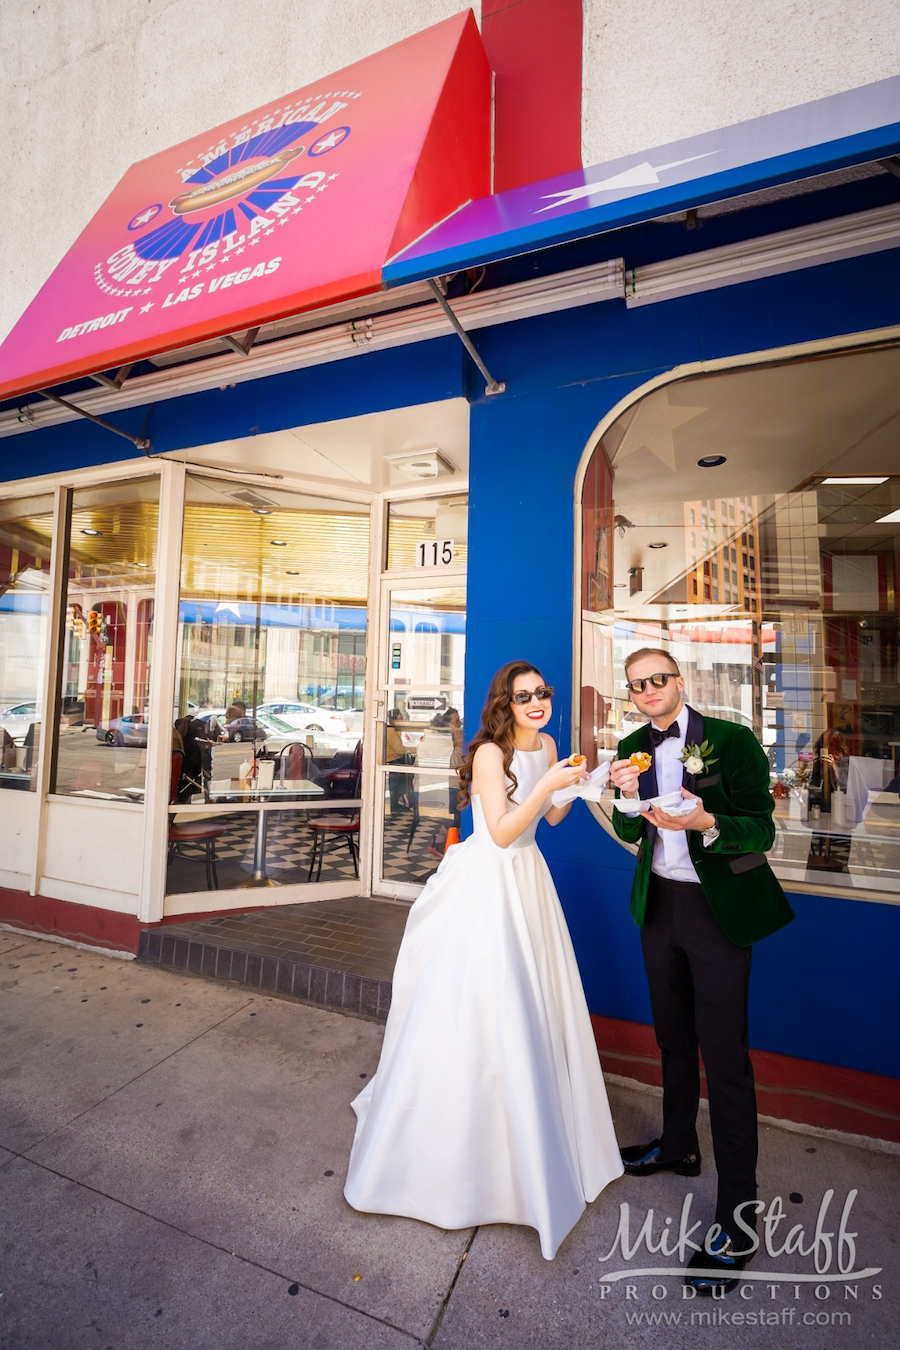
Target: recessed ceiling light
[
  {"x": 279, "y": 543},
  {"x": 835, "y": 481},
  {"x": 289, "y": 573},
  {"x": 262, "y": 511},
  {"x": 91, "y": 532},
  {"x": 891, "y": 519},
  {"x": 710, "y": 461},
  {"x": 660, "y": 543},
  {"x": 620, "y": 585}
]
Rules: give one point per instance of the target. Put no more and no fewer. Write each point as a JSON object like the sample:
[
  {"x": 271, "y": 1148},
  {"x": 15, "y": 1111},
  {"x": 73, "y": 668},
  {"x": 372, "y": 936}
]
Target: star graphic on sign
[
  {"x": 329, "y": 142},
  {"x": 223, "y": 608},
  {"x": 268, "y": 231},
  {"x": 310, "y": 199},
  {"x": 284, "y": 220},
  {"x": 145, "y": 216},
  {"x": 321, "y": 187},
  {"x": 209, "y": 267},
  {"x": 254, "y": 241},
  {"x": 296, "y": 209},
  {"x": 331, "y": 177},
  {"x": 148, "y": 306},
  {"x": 237, "y": 251},
  {"x": 638, "y": 176}
]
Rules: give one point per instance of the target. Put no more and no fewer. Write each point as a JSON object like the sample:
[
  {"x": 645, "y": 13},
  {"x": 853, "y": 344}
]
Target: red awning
[{"x": 292, "y": 207}]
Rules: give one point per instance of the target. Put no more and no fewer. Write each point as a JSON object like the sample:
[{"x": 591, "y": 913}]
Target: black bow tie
[{"x": 657, "y": 737}]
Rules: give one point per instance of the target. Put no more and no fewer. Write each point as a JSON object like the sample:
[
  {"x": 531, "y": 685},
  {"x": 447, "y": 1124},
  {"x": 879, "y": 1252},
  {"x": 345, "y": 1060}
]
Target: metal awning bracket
[
  {"x": 236, "y": 345},
  {"x": 492, "y": 386},
  {"x": 140, "y": 441},
  {"x": 116, "y": 381}
]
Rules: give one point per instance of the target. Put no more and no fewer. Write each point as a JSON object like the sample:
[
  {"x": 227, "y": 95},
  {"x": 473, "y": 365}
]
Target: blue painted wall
[{"x": 824, "y": 988}]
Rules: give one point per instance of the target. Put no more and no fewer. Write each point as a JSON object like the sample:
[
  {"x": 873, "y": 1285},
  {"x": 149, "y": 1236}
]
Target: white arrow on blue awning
[{"x": 640, "y": 175}]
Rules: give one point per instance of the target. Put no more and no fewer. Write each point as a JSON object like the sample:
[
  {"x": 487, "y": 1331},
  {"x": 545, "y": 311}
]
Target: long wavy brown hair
[{"x": 497, "y": 726}]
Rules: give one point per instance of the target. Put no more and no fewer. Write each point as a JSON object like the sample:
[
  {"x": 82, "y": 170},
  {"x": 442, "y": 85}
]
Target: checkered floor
[{"x": 289, "y": 848}]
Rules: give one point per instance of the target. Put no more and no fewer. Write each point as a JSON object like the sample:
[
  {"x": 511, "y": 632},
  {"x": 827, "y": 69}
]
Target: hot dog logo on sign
[
  {"x": 292, "y": 208},
  {"x": 229, "y": 203}
]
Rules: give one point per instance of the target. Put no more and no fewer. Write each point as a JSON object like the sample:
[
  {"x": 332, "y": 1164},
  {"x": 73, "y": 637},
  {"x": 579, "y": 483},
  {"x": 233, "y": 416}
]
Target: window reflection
[
  {"x": 271, "y": 679},
  {"x": 26, "y": 528},
  {"x": 772, "y": 577},
  {"x": 104, "y": 685}
]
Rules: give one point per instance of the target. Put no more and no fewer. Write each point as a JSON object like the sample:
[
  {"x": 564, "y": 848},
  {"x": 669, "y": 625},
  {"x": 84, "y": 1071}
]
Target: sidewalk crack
[{"x": 429, "y": 1339}]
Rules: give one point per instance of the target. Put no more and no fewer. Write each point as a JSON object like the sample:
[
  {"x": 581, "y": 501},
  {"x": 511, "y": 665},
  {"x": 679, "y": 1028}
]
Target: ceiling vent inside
[{"x": 422, "y": 465}]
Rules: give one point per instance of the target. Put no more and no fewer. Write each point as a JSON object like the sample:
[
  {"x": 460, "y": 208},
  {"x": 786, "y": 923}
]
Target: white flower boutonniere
[{"x": 698, "y": 758}]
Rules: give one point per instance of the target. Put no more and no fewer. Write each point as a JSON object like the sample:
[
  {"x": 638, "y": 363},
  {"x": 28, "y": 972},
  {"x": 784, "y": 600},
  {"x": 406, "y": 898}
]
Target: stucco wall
[
  {"x": 88, "y": 88},
  {"x": 659, "y": 70}
]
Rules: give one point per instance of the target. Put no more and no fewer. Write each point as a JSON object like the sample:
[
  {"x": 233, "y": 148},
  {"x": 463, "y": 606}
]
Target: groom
[{"x": 703, "y": 892}]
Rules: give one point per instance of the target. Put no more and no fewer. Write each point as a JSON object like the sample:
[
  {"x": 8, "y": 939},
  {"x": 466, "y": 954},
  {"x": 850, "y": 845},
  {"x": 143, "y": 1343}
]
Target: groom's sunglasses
[
  {"x": 658, "y": 681},
  {"x": 525, "y": 696}
]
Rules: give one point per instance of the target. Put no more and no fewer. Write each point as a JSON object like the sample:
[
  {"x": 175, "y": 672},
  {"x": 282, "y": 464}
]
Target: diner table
[{"x": 239, "y": 789}]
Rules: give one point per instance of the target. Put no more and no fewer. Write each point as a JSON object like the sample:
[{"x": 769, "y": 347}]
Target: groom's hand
[
  {"x": 624, "y": 776},
  {"x": 698, "y": 819}
]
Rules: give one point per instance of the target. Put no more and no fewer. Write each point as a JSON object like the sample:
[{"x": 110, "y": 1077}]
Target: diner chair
[
  {"x": 328, "y": 831},
  {"x": 204, "y": 832},
  {"x": 298, "y": 760},
  {"x": 344, "y": 782}
]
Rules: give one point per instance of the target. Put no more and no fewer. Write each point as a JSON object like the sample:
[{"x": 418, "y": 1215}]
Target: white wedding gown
[{"x": 489, "y": 1104}]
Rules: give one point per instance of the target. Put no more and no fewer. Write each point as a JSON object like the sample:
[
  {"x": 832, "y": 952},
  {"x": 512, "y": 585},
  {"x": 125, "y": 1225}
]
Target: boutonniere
[{"x": 698, "y": 758}]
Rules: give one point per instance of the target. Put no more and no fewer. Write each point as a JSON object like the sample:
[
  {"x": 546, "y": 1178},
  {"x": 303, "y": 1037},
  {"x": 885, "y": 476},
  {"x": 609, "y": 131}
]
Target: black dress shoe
[
  {"x": 642, "y": 1160},
  {"x": 717, "y": 1269}
]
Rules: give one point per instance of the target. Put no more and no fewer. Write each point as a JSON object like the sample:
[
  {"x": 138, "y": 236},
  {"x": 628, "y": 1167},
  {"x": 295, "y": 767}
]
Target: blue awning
[{"x": 855, "y": 127}]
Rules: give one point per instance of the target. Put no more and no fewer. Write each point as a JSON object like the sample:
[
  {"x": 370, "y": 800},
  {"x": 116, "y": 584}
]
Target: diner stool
[
  {"x": 331, "y": 830},
  {"x": 199, "y": 832},
  {"x": 204, "y": 832}
]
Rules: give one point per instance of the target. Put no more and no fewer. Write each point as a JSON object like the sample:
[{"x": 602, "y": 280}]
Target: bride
[{"x": 489, "y": 1104}]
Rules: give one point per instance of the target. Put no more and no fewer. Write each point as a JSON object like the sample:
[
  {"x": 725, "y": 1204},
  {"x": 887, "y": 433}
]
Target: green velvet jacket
[{"x": 734, "y": 872}]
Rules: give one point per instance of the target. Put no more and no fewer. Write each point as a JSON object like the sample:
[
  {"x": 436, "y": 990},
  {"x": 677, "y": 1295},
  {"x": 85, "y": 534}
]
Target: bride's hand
[{"x": 562, "y": 775}]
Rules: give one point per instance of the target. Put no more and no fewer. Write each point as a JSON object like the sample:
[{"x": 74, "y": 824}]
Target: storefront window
[
  {"x": 794, "y": 474},
  {"x": 26, "y": 529},
  {"x": 270, "y": 683},
  {"x": 103, "y": 712},
  {"x": 432, "y": 532}
]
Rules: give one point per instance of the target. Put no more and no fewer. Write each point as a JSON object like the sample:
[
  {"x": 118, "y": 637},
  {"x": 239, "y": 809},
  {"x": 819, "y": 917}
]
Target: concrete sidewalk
[{"x": 172, "y": 1156}]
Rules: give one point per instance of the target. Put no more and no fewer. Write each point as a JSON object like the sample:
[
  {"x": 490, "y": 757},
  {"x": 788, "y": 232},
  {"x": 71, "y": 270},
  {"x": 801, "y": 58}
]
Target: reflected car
[
  {"x": 245, "y": 729},
  {"x": 306, "y": 716},
  {"x": 124, "y": 731},
  {"x": 17, "y": 719},
  {"x": 280, "y": 733}
]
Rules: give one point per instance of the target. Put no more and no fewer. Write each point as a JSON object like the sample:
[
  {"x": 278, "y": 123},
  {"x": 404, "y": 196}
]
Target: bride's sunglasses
[
  {"x": 525, "y": 696},
  {"x": 658, "y": 681}
]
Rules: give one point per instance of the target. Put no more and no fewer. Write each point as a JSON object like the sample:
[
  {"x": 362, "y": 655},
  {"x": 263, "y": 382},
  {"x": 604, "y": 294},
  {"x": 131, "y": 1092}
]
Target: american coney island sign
[{"x": 295, "y": 206}]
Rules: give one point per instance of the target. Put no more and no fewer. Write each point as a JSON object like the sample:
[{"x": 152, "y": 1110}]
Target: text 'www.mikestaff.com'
[{"x": 725, "y": 1317}]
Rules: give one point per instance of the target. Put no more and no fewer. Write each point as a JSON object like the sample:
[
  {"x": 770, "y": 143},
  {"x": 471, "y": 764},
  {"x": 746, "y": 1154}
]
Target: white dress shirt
[{"x": 671, "y": 856}]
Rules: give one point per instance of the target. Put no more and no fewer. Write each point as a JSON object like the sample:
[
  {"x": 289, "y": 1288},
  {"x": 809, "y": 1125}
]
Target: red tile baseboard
[
  {"x": 799, "y": 1090},
  {"x": 64, "y": 919}
]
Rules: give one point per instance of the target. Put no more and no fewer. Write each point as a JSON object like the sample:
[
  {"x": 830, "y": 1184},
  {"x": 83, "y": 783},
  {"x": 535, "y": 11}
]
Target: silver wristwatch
[{"x": 711, "y": 833}]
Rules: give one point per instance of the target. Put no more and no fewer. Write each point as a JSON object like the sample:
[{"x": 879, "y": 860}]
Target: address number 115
[{"x": 434, "y": 553}]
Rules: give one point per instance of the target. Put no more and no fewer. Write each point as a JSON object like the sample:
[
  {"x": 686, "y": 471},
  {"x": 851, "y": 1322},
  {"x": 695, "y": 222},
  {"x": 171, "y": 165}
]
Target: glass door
[{"x": 419, "y": 726}]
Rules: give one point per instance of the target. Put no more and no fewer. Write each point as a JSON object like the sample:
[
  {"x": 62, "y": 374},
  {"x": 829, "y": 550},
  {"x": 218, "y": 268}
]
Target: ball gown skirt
[{"x": 488, "y": 1105}]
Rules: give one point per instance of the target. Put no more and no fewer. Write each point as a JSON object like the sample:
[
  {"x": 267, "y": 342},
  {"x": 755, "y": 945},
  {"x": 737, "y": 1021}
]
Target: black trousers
[{"x": 699, "y": 981}]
